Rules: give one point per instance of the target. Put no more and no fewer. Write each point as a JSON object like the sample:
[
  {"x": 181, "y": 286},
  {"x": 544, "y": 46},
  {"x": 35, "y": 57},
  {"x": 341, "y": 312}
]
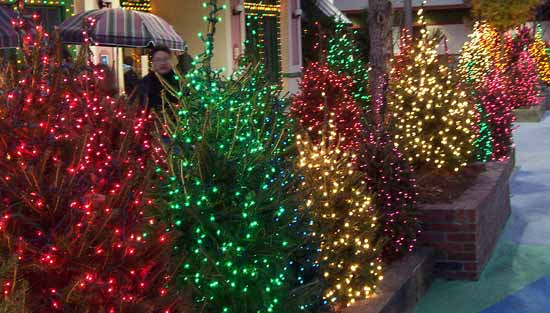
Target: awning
[{"x": 329, "y": 9}]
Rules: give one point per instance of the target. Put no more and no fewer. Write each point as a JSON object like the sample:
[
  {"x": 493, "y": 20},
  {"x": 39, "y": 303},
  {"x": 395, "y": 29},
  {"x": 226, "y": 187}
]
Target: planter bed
[
  {"x": 533, "y": 114},
  {"x": 458, "y": 240},
  {"x": 465, "y": 231}
]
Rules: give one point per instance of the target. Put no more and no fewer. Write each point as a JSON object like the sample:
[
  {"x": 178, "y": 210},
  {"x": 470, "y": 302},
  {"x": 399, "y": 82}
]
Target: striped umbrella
[
  {"x": 121, "y": 28},
  {"x": 9, "y": 38}
]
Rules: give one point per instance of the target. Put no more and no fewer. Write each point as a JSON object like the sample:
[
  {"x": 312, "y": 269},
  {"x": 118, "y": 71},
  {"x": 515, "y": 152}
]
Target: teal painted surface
[
  {"x": 535, "y": 298},
  {"x": 522, "y": 256}
]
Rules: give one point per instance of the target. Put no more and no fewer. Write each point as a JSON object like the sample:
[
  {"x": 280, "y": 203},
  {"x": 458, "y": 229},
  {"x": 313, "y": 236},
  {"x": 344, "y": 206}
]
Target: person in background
[
  {"x": 131, "y": 79},
  {"x": 67, "y": 63},
  {"x": 151, "y": 87}
]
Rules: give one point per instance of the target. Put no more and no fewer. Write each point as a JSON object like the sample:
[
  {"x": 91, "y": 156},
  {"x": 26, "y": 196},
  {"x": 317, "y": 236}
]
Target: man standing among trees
[{"x": 151, "y": 86}]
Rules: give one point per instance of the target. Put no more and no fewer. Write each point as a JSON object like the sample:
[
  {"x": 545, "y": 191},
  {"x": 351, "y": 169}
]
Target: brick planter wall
[
  {"x": 464, "y": 232},
  {"x": 405, "y": 282}
]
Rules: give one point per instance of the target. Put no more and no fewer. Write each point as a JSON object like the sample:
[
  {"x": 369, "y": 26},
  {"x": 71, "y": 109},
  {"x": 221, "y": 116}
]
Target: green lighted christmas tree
[
  {"x": 230, "y": 190},
  {"x": 344, "y": 57}
]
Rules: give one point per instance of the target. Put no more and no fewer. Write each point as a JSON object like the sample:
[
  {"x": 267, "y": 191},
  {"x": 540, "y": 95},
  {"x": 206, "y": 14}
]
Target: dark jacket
[
  {"x": 151, "y": 90},
  {"x": 131, "y": 81}
]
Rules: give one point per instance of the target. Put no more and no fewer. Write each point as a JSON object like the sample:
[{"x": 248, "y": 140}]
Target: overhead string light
[
  {"x": 263, "y": 36},
  {"x": 137, "y": 5},
  {"x": 67, "y": 5}
]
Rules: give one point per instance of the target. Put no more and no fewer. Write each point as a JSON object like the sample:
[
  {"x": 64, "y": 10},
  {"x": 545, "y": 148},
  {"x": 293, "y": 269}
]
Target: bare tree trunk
[
  {"x": 408, "y": 15},
  {"x": 380, "y": 46}
]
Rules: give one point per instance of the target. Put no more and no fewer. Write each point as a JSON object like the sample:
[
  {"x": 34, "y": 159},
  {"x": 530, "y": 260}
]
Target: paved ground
[{"x": 517, "y": 279}]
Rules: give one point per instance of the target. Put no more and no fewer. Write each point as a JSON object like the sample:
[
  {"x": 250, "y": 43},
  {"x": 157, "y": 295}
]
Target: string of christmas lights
[
  {"x": 434, "y": 122},
  {"x": 523, "y": 82},
  {"x": 496, "y": 101},
  {"x": 137, "y": 5},
  {"x": 344, "y": 57},
  {"x": 343, "y": 221},
  {"x": 479, "y": 57},
  {"x": 323, "y": 92},
  {"x": 516, "y": 42},
  {"x": 481, "y": 54},
  {"x": 66, "y": 5},
  {"x": 501, "y": 76},
  {"x": 540, "y": 53},
  {"x": 14, "y": 290},
  {"x": 231, "y": 190},
  {"x": 389, "y": 178},
  {"x": 387, "y": 175},
  {"x": 263, "y": 37},
  {"x": 78, "y": 213},
  {"x": 521, "y": 69}
]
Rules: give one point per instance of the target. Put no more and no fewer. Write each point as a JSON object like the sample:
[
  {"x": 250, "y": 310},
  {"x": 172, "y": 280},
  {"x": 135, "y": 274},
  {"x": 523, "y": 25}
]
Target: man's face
[{"x": 162, "y": 62}]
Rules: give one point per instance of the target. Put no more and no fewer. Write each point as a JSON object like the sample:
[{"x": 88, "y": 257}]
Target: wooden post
[
  {"x": 408, "y": 10},
  {"x": 380, "y": 31}
]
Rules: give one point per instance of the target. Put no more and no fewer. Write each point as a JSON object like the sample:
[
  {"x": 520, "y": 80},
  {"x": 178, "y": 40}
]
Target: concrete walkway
[{"x": 517, "y": 279}]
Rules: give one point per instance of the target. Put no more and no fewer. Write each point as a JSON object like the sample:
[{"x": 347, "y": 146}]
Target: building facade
[
  {"x": 51, "y": 12},
  {"x": 451, "y": 17},
  {"x": 269, "y": 29}
]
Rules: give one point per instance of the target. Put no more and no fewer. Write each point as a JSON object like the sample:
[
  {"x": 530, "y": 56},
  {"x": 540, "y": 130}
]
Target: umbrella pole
[{"x": 144, "y": 65}]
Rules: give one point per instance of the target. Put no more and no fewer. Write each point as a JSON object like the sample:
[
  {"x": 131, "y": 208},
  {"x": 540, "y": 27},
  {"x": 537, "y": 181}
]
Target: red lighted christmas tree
[
  {"x": 520, "y": 68},
  {"x": 523, "y": 82},
  {"x": 515, "y": 45},
  {"x": 497, "y": 103},
  {"x": 326, "y": 95},
  {"x": 77, "y": 212}
]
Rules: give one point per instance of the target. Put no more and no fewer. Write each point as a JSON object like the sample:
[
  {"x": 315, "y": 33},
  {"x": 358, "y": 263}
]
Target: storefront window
[
  {"x": 263, "y": 36},
  {"x": 50, "y": 16}
]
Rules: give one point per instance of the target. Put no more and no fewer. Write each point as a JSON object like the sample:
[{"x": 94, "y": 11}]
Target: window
[
  {"x": 50, "y": 16},
  {"x": 262, "y": 36}
]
